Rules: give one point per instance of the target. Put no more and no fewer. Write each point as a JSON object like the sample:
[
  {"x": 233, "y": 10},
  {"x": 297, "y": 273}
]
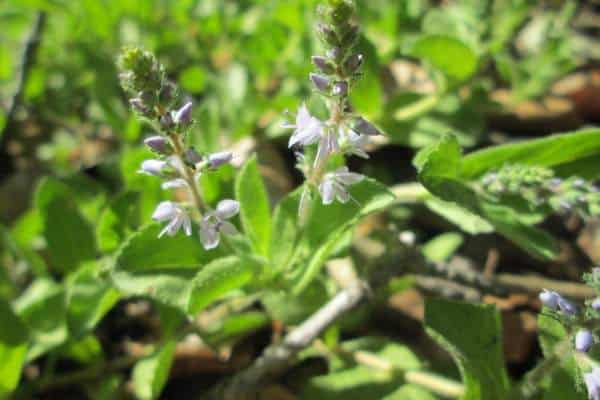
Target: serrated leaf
[
  {"x": 472, "y": 335},
  {"x": 150, "y": 373},
  {"x": 13, "y": 348},
  {"x": 217, "y": 279},
  {"x": 444, "y": 53},
  {"x": 254, "y": 206}
]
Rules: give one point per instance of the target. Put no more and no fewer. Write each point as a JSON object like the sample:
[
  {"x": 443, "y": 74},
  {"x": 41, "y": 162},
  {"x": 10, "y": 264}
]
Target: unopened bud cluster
[
  {"x": 179, "y": 165},
  {"x": 344, "y": 132},
  {"x": 539, "y": 186}
]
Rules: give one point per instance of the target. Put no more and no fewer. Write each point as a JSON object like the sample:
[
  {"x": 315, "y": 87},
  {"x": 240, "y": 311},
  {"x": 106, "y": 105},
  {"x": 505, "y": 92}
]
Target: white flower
[
  {"x": 215, "y": 223},
  {"x": 152, "y": 167},
  {"x": 357, "y": 143},
  {"x": 327, "y": 145},
  {"x": 334, "y": 185},
  {"x": 307, "y": 129},
  {"x": 177, "y": 217}
]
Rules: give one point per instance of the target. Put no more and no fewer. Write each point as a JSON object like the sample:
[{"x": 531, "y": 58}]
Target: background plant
[{"x": 94, "y": 298}]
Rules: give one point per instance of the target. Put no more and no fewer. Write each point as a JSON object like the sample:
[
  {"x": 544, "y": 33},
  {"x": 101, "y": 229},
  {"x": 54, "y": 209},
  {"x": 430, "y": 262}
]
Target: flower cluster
[
  {"x": 540, "y": 187},
  {"x": 179, "y": 166},
  {"x": 344, "y": 132},
  {"x": 570, "y": 315}
]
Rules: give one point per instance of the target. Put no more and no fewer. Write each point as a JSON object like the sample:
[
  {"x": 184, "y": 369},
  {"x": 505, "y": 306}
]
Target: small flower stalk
[
  {"x": 157, "y": 100},
  {"x": 343, "y": 133}
]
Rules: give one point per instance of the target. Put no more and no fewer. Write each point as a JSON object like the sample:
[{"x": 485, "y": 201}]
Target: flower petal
[
  {"x": 209, "y": 236},
  {"x": 165, "y": 210},
  {"x": 327, "y": 191},
  {"x": 227, "y": 208},
  {"x": 174, "y": 184},
  {"x": 227, "y": 228}
]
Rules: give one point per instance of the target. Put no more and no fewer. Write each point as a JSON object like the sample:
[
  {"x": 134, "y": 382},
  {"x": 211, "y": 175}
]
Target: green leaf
[
  {"x": 328, "y": 224},
  {"x": 235, "y": 327},
  {"x": 443, "y": 246},
  {"x": 13, "y": 348},
  {"x": 160, "y": 268},
  {"x": 459, "y": 216},
  {"x": 367, "y": 95},
  {"x": 218, "y": 278},
  {"x": 193, "y": 79},
  {"x": 254, "y": 206},
  {"x": 150, "y": 374},
  {"x": 450, "y": 55},
  {"x": 89, "y": 298},
  {"x": 69, "y": 236},
  {"x": 556, "y": 151},
  {"x": 118, "y": 220},
  {"x": 43, "y": 310},
  {"x": 349, "y": 381},
  {"x": 472, "y": 335},
  {"x": 440, "y": 171},
  {"x": 285, "y": 229}
]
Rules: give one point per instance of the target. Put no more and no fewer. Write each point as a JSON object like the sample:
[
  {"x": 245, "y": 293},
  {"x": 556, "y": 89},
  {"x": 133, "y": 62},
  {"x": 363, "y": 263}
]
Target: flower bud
[
  {"x": 596, "y": 304},
  {"x": 158, "y": 144},
  {"x": 549, "y": 299},
  {"x": 138, "y": 105},
  {"x": 166, "y": 121},
  {"x": 336, "y": 54},
  {"x": 215, "y": 160},
  {"x": 192, "y": 156},
  {"x": 583, "y": 340},
  {"x": 327, "y": 35},
  {"x": 323, "y": 64},
  {"x": 153, "y": 167},
  {"x": 350, "y": 37},
  {"x": 183, "y": 116},
  {"x": 364, "y": 127},
  {"x": 321, "y": 82},
  {"x": 353, "y": 63},
  {"x": 340, "y": 88},
  {"x": 167, "y": 93}
]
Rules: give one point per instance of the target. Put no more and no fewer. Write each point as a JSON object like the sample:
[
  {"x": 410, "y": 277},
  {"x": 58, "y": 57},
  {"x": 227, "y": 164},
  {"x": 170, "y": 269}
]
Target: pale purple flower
[
  {"x": 357, "y": 143},
  {"x": 583, "y": 340},
  {"x": 592, "y": 382},
  {"x": 183, "y": 115},
  {"x": 596, "y": 304},
  {"x": 215, "y": 160},
  {"x": 214, "y": 223},
  {"x": 153, "y": 167},
  {"x": 549, "y": 299},
  {"x": 327, "y": 145},
  {"x": 158, "y": 144},
  {"x": 177, "y": 217},
  {"x": 322, "y": 63},
  {"x": 307, "y": 129},
  {"x": 334, "y": 185}
]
